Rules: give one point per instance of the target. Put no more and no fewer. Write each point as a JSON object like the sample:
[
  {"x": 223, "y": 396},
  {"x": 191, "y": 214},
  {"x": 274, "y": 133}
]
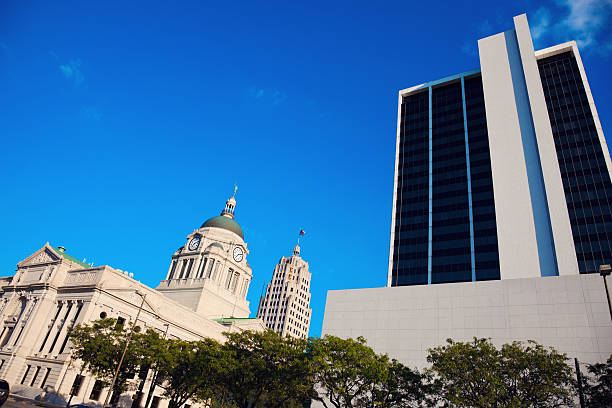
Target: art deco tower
[{"x": 285, "y": 307}]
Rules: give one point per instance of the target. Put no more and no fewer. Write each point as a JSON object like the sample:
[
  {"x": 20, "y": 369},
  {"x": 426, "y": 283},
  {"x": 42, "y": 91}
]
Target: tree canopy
[
  {"x": 598, "y": 385},
  {"x": 350, "y": 374},
  {"x": 262, "y": 369},
  {"x": 478, "y": 374},
  {"x": 99, "y": 346}
]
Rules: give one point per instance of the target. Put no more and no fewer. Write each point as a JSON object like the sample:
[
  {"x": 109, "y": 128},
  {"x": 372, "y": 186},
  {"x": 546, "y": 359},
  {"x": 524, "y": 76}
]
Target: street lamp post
[
  {"x": 604, "y": 271},
  {"x": 127, "y": 343}
]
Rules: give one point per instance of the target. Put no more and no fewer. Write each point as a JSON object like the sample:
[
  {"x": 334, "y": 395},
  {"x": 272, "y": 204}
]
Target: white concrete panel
[
  {"x": 559, "y": 218},
  {"x": 572, "y": 323},
  {"x": 515, "y": 225}
]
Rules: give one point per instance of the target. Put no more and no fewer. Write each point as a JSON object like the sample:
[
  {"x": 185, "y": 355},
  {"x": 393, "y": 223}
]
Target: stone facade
[
  {"x": 52, "y": 291},
  {"x": 285, "y": 307}
]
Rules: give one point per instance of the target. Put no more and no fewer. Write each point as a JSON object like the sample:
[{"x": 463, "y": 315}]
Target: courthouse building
[
  {"x": 202, "y": 296},
  {"x": 502, "y": 211}
]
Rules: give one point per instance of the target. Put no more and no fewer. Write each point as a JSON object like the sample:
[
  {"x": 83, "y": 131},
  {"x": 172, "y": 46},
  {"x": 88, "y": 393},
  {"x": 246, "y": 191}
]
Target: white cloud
[
  {"x": 72, "y": 72},
  {"x": 91, "y": 112},
  {"x": 271, "y": 96},
  {"x": 485, "y": 28},
  {"x": 468, "y": 48},
  {"x": 579, "y": 20},
  {"x": 540, "y": 23}
]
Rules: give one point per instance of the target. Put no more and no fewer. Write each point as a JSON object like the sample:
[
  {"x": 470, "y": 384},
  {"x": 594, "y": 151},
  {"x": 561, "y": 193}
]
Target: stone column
[
  {"x": 57, "y": 325},
  {"x": 64, "y": 326}
]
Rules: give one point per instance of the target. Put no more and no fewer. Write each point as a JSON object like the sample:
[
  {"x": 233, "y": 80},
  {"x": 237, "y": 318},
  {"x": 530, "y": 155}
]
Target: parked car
[
  {"x": 4, "y": 391},
  {"x": 80, "y": 406}
]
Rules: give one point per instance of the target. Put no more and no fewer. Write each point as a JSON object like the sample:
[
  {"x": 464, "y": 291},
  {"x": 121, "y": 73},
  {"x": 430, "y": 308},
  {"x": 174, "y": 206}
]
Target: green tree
[
  {"x": 350, "y": 374},
  {"x": 402, "y": 386},
  {"x": 263, "y": 369},
  {"x": 99, "y": 345},
  {"x": 188, "y": 369},
  {"x": 519, "y": 375},
  {"x": 598, "y": 385}
]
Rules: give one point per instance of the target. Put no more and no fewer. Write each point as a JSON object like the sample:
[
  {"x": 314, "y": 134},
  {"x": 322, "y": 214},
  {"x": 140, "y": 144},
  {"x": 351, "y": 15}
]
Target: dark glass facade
[
  {"x": 586, "y": 180},
  {"x": 444, "y": 253},
  {"x": 483, "y": 203},
  {"x": 451, "y": 251},
  {"x": 412, "y": 207}
]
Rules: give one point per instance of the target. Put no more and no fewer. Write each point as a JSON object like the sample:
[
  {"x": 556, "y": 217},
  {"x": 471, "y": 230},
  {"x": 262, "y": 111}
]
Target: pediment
[{"x": 43, "y": 256}]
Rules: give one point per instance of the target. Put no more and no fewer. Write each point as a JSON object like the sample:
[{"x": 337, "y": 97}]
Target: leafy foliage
[
  {"x": 262, "y": 369},
  {"x": 351, "y": 374},
  {"x": 598, "y": 385},
  {"x": 478, "y": 374},
  {"x": 99, "y": 346},
  {"x": 403, "y": 387},
  {"x": 188, "y": 367}
]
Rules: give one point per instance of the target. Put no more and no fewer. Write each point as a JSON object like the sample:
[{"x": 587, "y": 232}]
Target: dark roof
[{"x": 225, "y": 223}]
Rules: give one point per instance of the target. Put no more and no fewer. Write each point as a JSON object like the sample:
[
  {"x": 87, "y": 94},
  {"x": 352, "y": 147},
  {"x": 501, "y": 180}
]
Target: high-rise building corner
[
  {"x": 501, "y": 172},
  {"x": 285, "y": 305}
]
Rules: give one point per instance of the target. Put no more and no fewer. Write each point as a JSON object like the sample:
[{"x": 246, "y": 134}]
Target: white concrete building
[
  {"x": 285, "y": 307},
  {"x": 203, "y": 296},
  {"x": 501, "y": 212}
]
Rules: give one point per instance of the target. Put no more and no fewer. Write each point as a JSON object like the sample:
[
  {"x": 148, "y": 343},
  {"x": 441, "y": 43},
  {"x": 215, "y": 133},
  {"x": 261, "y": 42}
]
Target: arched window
[
  {"x": 211, "y": 265},
  {"x": 228, "y": 280},
  {"x": 202, "y": 268},
  {"x": 235, "y": 281},
  {"x": 172, "y": 270}
]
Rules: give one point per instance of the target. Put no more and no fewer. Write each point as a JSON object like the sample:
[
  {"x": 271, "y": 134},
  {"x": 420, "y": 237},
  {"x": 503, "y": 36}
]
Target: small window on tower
[
  {"x": 203, "y": 268},
  {"x": 228, "y": 280},
  {"x": 211, "y": 264},
  {"x": 235, "y": 282}
]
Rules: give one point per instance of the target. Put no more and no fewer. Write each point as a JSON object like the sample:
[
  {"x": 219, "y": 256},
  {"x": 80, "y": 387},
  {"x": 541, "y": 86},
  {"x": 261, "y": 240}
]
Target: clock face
[
  {"x": 194, "y": 243},
  {"x": 238, "y": 254}
]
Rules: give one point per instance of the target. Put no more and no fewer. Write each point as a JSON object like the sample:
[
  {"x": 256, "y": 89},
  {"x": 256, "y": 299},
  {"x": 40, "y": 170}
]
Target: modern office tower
[
  {"x": 285, "y": 307},
  {"x": 501, "y": 172},
  {"x": 502, "y": 179}
]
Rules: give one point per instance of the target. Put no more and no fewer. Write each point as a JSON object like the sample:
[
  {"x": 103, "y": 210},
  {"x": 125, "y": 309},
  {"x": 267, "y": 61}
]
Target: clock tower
[{"x": 210, "y": 273}]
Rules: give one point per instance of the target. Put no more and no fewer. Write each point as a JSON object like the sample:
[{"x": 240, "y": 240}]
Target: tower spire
[
  {"x": 230, "y": 205},
  {"x": 296, "y": 250}
]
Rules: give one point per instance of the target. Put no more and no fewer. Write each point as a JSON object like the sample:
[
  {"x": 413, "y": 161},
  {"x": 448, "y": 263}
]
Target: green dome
[{"x": 225, "y": 223}]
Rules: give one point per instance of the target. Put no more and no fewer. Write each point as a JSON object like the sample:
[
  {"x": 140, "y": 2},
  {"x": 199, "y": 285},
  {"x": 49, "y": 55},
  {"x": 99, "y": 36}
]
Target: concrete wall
[
  {"x": 560, "y": 226},
  {"x": 569, "y": 313},
  {"x": 513, "y": 209}
]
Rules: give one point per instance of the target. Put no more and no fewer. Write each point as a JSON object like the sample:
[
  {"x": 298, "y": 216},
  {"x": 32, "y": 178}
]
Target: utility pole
[
  {"x": 579, "y": 378},
  {"x": 604, "y": 271},
  {"x": 127, "y": 343}
]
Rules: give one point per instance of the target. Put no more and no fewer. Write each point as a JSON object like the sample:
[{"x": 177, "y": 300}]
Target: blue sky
[{"x": 125, "y": 125}]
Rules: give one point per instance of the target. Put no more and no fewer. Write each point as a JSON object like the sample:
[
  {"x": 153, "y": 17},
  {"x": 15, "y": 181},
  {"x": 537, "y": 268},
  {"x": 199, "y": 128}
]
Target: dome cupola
[{"x": 226, "y": 219}]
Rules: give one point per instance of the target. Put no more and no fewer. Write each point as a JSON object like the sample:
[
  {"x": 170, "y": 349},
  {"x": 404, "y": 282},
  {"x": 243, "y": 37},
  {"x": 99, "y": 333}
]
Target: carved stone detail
[
  {"x": 41, "y": 258},
  {"x": 81, "y": 277}
]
